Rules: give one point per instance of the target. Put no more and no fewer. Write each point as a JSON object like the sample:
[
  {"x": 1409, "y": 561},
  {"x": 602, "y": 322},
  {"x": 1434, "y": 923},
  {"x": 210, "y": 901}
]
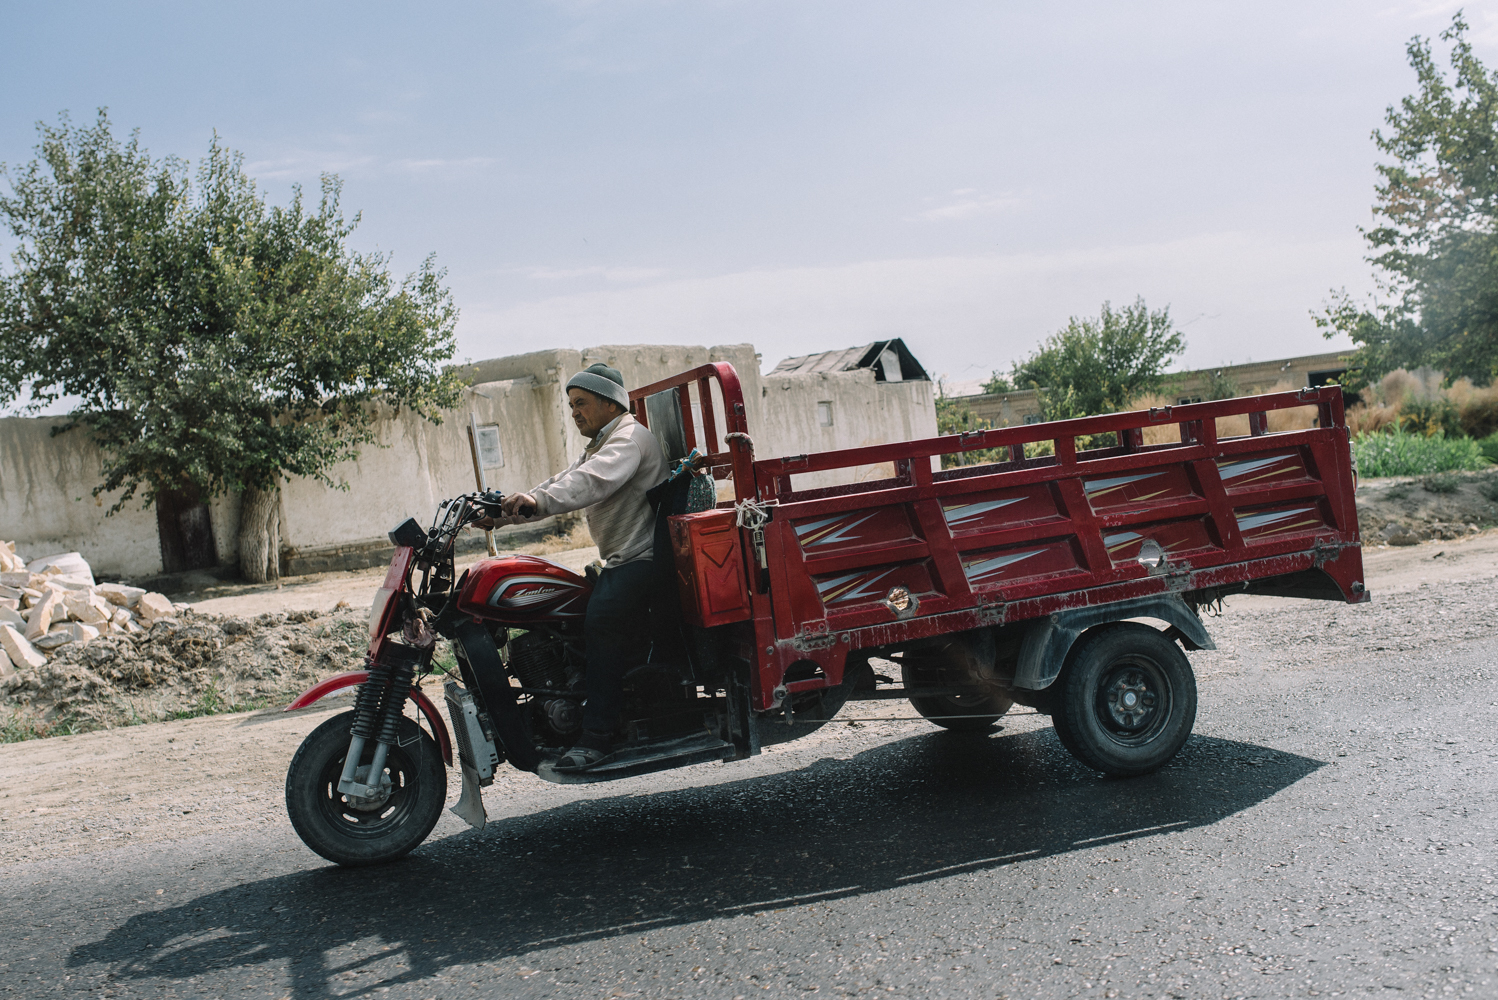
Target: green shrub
[
  {"x": 1399, "y": 453},
  {"x": 1430, "y": 416},
  {"x": 1489, "y": 446},
  {"x": 1445, "y": 482}
]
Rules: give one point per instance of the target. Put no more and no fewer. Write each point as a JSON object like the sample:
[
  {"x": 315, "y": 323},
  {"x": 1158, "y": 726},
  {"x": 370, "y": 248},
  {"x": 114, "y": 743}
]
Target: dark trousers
[{"x": 617, "y": 633}]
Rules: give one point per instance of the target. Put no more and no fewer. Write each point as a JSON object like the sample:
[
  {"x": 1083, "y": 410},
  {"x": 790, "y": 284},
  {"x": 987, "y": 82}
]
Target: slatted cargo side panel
[{"x": 983, "y": 540}]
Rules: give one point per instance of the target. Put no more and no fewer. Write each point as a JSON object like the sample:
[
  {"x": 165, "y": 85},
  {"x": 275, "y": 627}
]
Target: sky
[{"x": 799, "y": 174}]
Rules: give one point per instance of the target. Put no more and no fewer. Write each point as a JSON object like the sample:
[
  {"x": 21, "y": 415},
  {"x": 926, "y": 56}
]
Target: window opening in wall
[
  {"x": 1032, "y": 418},
  {"x": 1184, "y": 400},
  {"x": 490, "y": 453},
  {"x": 824, "y": 413},
  {"x": 1330, "y": 377}
]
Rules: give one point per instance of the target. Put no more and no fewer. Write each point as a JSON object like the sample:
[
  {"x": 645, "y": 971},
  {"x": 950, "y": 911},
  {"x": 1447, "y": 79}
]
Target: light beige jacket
[{"x": 609, "y": 483}]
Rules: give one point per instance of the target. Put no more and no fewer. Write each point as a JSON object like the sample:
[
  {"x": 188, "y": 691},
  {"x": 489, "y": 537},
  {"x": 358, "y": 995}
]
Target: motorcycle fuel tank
[{"x": 523, "y": 589}]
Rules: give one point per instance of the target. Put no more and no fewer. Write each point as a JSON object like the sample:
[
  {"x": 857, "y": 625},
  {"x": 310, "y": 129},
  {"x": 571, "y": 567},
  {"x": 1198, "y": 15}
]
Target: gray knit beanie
[{"x": 601, "y": 380}]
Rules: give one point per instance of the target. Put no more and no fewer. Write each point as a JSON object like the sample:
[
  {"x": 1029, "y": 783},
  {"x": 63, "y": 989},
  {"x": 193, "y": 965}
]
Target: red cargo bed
[{"x": 925, "y": 552}]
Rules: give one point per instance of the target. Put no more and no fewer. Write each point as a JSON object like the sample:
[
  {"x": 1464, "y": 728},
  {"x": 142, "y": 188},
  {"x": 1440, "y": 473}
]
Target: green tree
[
  {"x": 213, "y": 343},
  {"x": 954, "y": 416},
  {"x": 1220, "y": 384},
  {"x": 1099, "y": 365},
  {"x": 1435, "y": 246}
]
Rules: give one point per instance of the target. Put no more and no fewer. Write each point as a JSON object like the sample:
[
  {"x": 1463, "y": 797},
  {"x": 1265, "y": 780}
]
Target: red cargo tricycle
[{"x": 1032, "y": 578}]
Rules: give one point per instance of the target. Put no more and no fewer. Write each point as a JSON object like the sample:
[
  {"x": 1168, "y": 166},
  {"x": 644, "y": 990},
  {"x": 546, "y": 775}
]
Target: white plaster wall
[
  {"x": 864, "y": 413},
  {"x": 416, "y": 464},
  {"x": 47, "y": 504},
  {"x": 45, "y": 482}
]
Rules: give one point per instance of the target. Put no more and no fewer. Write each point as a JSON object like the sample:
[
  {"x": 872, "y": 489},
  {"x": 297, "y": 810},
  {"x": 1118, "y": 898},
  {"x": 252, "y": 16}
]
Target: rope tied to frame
[{"x": 753, "y": 515}]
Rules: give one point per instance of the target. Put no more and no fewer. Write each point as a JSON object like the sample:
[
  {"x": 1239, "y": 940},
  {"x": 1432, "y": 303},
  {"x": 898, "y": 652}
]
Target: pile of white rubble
[{"x": 53, "y": 602}]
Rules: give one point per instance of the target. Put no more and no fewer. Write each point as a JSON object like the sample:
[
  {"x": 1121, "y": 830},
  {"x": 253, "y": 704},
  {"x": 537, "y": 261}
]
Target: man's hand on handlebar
[
  {"x": 518, "y": 504},
  {"x": 522, "y": 504}
]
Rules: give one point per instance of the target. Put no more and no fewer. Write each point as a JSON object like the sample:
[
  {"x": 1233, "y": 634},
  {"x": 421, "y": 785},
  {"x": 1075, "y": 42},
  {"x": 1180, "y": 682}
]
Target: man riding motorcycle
[{"x": 621, "y": 462}]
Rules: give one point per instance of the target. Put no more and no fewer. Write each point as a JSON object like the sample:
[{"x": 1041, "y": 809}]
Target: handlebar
[{"x": 492, "y": 504}]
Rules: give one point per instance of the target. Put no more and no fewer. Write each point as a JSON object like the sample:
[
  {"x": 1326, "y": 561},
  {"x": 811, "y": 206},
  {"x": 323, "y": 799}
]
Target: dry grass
[
  {"x": 577, "y": 538},
  {"x": 1296, "y": 418},
  {"x": 1366, "y": 419},
  {"x": 1158, "y": 433}
]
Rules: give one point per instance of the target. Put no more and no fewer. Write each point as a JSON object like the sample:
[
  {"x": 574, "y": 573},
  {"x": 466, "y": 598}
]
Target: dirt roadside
[{"x": 214, "y": 775}]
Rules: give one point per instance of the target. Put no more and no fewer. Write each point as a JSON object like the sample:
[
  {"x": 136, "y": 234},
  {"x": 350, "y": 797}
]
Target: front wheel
[
  {"x": 1126, "y": 700},
  {"x": 371, "y": 832}
]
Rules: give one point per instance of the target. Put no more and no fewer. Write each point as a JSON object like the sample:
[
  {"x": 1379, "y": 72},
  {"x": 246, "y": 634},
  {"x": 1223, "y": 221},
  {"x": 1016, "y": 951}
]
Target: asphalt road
[{"x": 1328, "y": 831}]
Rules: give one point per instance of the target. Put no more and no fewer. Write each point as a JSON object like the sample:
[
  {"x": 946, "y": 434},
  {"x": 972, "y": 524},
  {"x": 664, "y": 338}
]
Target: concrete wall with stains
[{"x": 46, "y": 483}]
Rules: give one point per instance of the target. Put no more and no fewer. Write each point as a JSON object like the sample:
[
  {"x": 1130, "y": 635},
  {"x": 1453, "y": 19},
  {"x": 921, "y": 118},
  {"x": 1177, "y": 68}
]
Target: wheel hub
[
  {"x": 370, "y": 803},
  {"x": 1129, "y": 700}
]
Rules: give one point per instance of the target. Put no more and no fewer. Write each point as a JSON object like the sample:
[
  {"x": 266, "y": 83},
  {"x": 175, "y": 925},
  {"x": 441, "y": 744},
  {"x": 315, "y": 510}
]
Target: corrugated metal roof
[
  {"x": 828, "y": 361},
  {"x": 851, "y": 358}
]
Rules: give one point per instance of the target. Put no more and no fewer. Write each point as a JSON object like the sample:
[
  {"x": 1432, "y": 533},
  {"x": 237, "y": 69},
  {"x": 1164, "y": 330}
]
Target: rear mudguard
[
  {"x": 322, "y": 689},
  {"x": 1048, "y": 640}
]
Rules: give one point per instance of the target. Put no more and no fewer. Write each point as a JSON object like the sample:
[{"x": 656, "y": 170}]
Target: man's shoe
[{"x": 579, "y": 759}]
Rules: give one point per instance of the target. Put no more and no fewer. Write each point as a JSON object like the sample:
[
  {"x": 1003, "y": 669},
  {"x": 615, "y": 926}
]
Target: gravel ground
[{"x": 1331, "y": 830}]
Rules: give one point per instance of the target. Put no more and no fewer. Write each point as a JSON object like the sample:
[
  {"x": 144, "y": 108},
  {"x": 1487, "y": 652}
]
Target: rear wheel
[
  {"x": 1126, "y": 700},
  {"x": 955, "y": 666},
  {"x": 962, "y": 712},
  {"x": 365, "y": 833}
]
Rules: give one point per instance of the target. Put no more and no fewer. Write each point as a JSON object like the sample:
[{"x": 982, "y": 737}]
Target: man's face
[{"x": 589, "y": 412}]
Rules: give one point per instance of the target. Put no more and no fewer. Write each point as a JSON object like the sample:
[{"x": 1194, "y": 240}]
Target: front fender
[{"x": 434, "y": 719}]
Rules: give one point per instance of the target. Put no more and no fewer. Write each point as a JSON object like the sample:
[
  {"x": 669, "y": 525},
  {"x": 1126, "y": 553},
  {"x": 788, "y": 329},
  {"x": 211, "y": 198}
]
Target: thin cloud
[
  {"x": 467, "y": 162},
  {"x": 306, "y": 165},
  {"x": 613, "y": 274},
  {"x": 311, "y": 164},
  {"x": 968, "y": 203}
]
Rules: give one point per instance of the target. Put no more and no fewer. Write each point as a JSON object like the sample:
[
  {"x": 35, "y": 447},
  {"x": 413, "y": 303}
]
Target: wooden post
[{"x": 478, "y": 473}]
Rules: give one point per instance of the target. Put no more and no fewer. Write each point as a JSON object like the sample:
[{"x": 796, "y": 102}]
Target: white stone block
[
  {"x": 21, "y": 652},
  {"x": 9, "y": 616},
  {"x": 63, "y": 564},
  {"x": 79, "y": 632},
  {"x": 39, "y": 623},
  {"x": 119, "y": 594},
  {"x": 52, "y": 640},
  {"x": 154, "y": 606},
  {"x": 90, "y": 609}
]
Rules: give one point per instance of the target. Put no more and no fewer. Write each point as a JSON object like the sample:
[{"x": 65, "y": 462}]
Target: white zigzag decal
[
  {"x": 968, "y": 511},
  {"x": 840, "y": 535},
  {"x": 983, "y": 567}
]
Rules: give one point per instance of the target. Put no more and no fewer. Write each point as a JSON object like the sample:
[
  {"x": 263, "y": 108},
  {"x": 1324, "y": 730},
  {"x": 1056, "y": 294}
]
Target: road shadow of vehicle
[{"x": 923, "y": 808}]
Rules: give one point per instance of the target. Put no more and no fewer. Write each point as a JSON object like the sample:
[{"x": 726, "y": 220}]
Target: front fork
[{"x": 378, "y": 707}]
